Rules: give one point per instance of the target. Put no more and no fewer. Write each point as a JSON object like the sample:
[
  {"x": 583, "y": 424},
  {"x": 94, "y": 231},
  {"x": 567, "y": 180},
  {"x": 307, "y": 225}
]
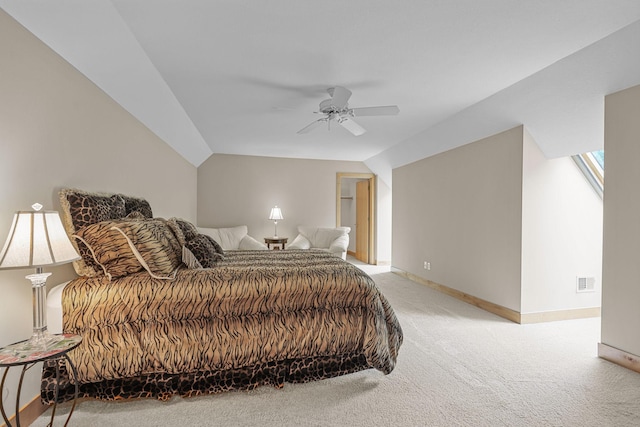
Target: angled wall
[
  {"x": 621, "y": 259},
  {"x": 561, "y": 236},
  {"x": 499, "y": 222},
  {"x": 57, "y": 129}
]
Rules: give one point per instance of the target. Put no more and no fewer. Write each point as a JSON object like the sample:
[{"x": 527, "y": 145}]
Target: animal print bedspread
[{"x": 254, "y": 311}]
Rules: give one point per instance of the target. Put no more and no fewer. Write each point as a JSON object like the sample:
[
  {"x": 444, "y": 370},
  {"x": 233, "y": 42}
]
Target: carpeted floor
[{"x": 458, "y": 366}]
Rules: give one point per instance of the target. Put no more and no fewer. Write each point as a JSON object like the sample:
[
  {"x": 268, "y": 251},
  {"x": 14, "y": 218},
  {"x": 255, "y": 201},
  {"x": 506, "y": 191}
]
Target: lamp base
[
  {"x": 40, "y": 342},
  {"x": 41, "y": 339}
]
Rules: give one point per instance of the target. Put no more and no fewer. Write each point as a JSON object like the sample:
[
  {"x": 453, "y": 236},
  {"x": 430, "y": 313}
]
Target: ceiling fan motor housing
[
  {"x": 337, "y": 108},
  {"x": 327, "y": 107}
]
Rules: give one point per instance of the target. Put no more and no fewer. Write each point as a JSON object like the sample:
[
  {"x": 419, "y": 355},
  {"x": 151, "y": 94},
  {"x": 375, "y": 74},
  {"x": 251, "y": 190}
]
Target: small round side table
[
  {"x": 18, "y": 354},
  {"x": 278, "y": 242}
]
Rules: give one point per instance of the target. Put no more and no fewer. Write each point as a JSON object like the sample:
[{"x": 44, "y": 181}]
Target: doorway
[{"x": 355, "y": 201}]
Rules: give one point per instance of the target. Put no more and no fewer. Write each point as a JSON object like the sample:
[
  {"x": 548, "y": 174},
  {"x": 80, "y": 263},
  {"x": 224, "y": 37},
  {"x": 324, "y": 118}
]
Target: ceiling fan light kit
[{"x": 337, "y": 108}]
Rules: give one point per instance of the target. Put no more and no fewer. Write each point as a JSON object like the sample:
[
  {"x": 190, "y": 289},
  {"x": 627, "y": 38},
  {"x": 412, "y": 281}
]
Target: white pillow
[
  {"x": 322, "y": 237},
  {"x": 248, "y": 243},
  {"x": 300, "y": 242},
  {"x": 228, "y": 238}
]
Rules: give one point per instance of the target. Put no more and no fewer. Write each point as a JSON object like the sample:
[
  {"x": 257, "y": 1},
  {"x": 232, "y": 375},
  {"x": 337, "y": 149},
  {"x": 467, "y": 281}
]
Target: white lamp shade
[
  {"x": 276, "y": 213},
  {"x": 36, "y": 239}
]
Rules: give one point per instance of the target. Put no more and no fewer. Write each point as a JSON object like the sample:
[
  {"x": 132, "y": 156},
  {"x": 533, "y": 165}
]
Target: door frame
[{"x": 372, "y": 197}]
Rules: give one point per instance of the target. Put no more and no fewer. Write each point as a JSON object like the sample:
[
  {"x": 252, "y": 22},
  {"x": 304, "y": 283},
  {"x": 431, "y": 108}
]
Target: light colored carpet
[{"x": 458, "y": 366}]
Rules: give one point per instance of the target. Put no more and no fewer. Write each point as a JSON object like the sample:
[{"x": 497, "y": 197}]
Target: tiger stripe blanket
[{"x": 257, "y": 317}]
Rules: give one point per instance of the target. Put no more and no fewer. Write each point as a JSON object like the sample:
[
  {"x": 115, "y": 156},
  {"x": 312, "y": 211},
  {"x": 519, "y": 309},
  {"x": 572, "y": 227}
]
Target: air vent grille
[{"x": 585, "y": 284}]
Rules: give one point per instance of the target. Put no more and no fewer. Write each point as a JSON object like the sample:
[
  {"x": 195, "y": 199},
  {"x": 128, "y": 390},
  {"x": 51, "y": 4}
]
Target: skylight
[{"x": 592, "y": 165}]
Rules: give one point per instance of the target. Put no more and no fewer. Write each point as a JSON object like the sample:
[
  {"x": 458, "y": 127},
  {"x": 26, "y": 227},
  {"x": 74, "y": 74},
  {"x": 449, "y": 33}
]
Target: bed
[{"x": 165, "y": 316}]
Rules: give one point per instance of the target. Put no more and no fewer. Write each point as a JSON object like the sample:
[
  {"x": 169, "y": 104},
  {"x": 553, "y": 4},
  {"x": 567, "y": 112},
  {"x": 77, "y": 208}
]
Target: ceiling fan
[{"x": 337, "y": 108}]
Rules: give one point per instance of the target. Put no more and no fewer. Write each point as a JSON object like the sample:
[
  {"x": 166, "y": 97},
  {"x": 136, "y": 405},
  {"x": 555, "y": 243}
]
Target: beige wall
[
  {"x": 621, "y": 259},
  {"x": 499, "y": 221},
  {"x": 57, "y": 129},
  {"x": 461, "y": 211},
  {"x": 241, "y": 190}
]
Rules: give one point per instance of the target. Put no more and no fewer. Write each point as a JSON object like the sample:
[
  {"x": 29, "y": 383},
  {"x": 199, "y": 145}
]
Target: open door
[
  {"x": 362, "y": 221},
  {"x": 363, "y": 225}
]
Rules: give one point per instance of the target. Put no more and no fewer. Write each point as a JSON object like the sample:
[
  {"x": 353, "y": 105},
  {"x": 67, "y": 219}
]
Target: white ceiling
[{"x": 242, "y": 77}]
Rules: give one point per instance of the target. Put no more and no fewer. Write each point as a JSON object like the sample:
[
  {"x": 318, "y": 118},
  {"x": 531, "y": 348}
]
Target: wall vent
[{"x": 585, "y": 284}]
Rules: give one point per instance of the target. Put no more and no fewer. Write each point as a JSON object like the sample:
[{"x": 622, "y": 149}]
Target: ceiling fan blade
[
  {"x": 312, "y": 126},
  {"x": 351, "y": 126},
  {"x": 339, "y": 97},
  {"x": 389, "y": 110}
]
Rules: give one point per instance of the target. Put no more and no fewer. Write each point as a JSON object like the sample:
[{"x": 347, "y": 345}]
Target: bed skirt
[{"x": 164, "y": 386}]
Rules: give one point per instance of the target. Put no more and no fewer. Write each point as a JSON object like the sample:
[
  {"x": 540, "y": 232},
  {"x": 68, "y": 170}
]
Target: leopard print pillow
[
  {"x": 88, "y": 209},
  {"x": 188, "y": 229},
  {"x": 190, "y": 260},
  {"x": 203, "y": 248},
  {"x": 81, "y": 209},
  {"x": 216, "y": 246},
  {"x": 134, "y": 204}
]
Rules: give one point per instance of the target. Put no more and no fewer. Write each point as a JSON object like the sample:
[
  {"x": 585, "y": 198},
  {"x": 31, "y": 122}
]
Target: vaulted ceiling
[{"x": 243, "y": 77}]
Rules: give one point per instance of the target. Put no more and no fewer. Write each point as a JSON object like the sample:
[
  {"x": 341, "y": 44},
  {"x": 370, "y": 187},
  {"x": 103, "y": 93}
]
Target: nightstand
[
  {"x": 19, "y": 355},
  {"x": 277, "y": 242}
]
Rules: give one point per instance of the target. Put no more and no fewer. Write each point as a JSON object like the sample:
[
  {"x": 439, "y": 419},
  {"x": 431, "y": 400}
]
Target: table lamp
[
  {"x": 37, "y": 239},
  {"x": 275, "y": 215}
]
